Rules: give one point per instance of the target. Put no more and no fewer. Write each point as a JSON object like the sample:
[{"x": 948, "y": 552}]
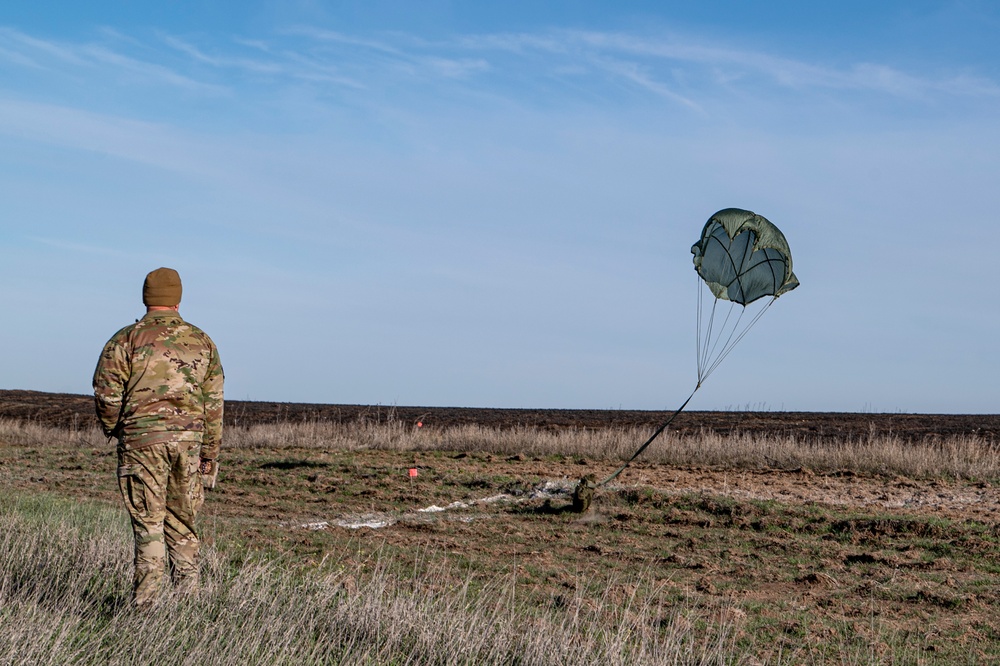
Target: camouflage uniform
[{"x": 158, "y": 390}]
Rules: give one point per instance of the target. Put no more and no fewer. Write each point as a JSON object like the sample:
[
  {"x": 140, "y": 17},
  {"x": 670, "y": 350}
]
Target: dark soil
[{"x": 72, "y": 410}]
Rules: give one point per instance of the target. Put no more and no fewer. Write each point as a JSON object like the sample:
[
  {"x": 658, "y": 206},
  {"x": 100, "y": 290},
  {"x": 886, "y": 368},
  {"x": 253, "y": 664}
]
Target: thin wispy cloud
[
  {"x": 894, "y": 82},
  {"x": 639, "y": 75},
  {"x": 147, "y": 71},
  {"x": 796, "y": 73},
  {"x": 455, "y": 68},
  {"x": 117, "y": 36},
  {"x": 256, "y": 44},
  {"x": 247, "y": 64},
  {"x": 516, "y": 43},
  {"x": 413, "y": 56},
  {"x": 148, "y": 143},
  {"x": 334, "y": 37},
  {"x": 19, "y": 59},
  {"x": 26, "y": 44},
  {"x": 38, "y": 53},
  {"x": 728, "y": 65},
  {"x": 308, "y": 68},
  {"x": 84, "y": 248}
]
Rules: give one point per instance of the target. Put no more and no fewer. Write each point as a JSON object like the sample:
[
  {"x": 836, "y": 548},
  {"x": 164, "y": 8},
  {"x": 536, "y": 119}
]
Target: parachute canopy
[{"x": 742, "y": 257}]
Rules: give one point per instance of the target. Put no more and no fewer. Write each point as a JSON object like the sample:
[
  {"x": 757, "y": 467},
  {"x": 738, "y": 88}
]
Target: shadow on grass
[
  {"x": 57, "y": 596},
  {"x": 546, "y": 508},
  {"x": 293, "y": 464}
]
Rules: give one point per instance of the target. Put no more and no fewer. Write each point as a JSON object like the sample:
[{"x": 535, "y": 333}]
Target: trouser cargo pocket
[{"x": 134, "y": 489}]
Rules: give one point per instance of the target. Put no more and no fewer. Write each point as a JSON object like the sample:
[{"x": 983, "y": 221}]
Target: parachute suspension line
[
  {"x": 650, "y": 440},
  {"x": 697, "y": 337},
  {"x": 731, "y": 343},
  {"x": 716, "y": 357},
  {"x": 702, "y": 353},
  {"x": 711, "y": 352},
  {"x": 705, "y": 347}
]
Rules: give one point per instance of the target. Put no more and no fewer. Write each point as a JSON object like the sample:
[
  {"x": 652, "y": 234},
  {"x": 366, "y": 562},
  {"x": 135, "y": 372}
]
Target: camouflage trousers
[{"x": 162, "y": 490}]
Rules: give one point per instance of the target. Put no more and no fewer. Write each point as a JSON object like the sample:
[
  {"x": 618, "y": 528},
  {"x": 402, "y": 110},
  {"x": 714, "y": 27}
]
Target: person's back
[{"x": 161, "y": 380}]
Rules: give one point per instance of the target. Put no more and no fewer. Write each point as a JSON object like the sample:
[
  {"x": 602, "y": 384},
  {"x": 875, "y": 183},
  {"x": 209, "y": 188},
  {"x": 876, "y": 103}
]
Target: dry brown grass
[
  {"x": 958, "y": 457},
  {"x": 64, "y": 578},
  {"x": 963, "y": 457},
  {"x": 27, "y": 433}
]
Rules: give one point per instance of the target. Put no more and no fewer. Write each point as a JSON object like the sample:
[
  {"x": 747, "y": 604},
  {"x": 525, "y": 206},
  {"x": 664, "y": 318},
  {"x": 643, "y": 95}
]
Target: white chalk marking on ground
[
  {"x": 433, "y": 508},
  {"x": 369, "y": 521},
  {"x": 552, "y": 489},
  {"x": 373, "y": 524},
  {"x": 548, "y": 490},
  {"x": 372, "y": 521}
]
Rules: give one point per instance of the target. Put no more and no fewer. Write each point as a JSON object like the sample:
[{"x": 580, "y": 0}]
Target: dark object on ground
[{"x": 583, "y": 494}]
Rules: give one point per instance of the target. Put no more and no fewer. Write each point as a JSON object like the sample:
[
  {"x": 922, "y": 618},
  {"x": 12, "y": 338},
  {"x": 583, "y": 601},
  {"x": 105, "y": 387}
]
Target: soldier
[{"x": 158, "y": 391}]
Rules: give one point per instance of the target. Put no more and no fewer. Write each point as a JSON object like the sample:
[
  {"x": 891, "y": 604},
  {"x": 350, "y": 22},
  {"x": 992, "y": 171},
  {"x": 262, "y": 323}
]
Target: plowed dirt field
[{"x": 65, "y": 409}]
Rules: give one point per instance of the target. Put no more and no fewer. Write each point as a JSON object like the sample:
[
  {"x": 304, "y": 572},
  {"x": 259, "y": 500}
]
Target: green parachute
[{"x": 741, "y": 258}]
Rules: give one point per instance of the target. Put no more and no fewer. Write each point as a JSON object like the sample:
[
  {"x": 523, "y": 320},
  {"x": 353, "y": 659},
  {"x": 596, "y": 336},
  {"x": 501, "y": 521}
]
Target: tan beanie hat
[{"x": 162, "y": 287}]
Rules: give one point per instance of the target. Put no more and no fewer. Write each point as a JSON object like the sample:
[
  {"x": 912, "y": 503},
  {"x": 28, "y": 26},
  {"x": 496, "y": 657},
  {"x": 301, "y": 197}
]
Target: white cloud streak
[
  {"x": 19, "y": 59},
  {"x": 32, "y": 52},
  {"x": 146, "y": 143},
  {"x": 247, "y": 64},
  {"x": 151, "y": 72},
  {"x": 17, "y": 39},
  {"x": 637, "y": 74},
  {"x": 81, "y": 248}
]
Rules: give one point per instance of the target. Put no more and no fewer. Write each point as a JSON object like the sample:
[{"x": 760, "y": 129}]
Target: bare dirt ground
[{"x": 802, "y": 560}]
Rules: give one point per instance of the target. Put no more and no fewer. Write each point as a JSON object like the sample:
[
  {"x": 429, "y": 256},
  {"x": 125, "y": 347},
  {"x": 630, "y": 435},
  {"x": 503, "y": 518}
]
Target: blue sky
[{"x": 492, "y": 204}]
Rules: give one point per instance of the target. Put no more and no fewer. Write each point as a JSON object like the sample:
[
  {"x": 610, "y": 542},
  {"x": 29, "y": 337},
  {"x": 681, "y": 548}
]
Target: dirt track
[{"x": 72, "y": 410}]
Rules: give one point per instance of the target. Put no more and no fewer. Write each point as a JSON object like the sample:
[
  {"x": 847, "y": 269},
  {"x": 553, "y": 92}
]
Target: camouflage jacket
[{"x": 159, "y": 380}]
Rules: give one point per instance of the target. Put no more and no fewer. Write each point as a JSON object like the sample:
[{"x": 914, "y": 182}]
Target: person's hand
[{"x": 209, "y": 470}]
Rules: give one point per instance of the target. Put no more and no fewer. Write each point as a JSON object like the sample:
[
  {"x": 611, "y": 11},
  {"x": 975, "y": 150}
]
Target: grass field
[{"x": 321, "y": 548}]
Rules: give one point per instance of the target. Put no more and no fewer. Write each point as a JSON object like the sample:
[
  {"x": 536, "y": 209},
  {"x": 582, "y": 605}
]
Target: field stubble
[{"x": 866, "y": 550}]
